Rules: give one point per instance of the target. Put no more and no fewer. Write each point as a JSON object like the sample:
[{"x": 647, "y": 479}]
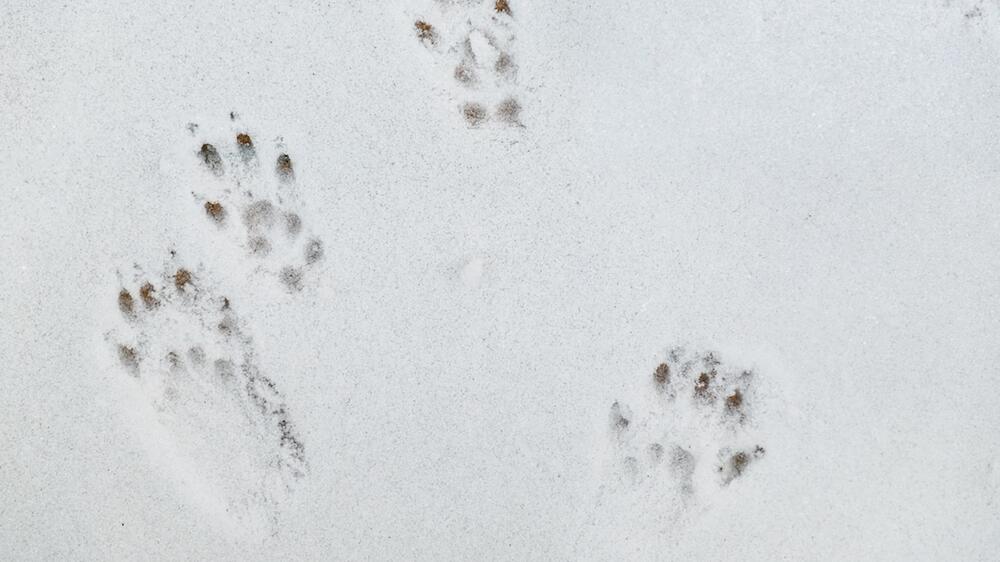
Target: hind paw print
[
  {"x": 190, "y": 357},
  {"x": 254, "y": 203},
  {"x": 475, "y": 43}
]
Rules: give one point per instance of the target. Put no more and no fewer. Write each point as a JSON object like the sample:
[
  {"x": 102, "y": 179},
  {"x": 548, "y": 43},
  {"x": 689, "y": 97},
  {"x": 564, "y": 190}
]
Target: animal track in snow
[
  {"x": 686, "y": 435},
  {"x": 700, "y": 418},
  {"x": 254, "y": 202},
  {"x": 475, "y": 42},
  {"x": 193, "y": 365}
]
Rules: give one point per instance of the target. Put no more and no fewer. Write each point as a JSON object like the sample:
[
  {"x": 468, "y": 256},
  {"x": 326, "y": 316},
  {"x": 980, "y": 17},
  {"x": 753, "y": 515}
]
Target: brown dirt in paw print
[
  {"x": 426, "y": 32},
  {"x": 146, "y": 294},
  {"x": 703, "y": 386},
  {"x": 215, "y": 211},
  {"x": 474, "y": 113},
  {"x": 245, "y": 144},
  {"x": 125, "y": 303},
  {"x": 737, "y": 464},
  {"x": 181, "y": 279},
  {"x": 210, "y": 156},
  {"x": 662, "y": 375}
]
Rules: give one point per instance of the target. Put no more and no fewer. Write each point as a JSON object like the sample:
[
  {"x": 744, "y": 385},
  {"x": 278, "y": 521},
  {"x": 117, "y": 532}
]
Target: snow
[{"x": 807, "y": 190}]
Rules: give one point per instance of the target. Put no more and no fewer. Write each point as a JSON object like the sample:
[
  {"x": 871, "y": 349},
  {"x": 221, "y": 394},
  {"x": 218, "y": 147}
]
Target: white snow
[{"x": 808, "y": 190}]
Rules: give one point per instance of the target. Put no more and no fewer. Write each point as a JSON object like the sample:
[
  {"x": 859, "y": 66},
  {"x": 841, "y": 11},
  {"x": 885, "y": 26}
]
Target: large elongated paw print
[{"x": 190, "y": 357}]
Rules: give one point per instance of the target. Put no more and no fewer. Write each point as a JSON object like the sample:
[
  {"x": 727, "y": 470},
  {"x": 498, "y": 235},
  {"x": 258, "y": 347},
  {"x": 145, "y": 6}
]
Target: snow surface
[{"x": 807, "y": 190}]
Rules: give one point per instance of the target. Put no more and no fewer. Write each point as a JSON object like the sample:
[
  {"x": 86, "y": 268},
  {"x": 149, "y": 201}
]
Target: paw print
[
  {"x": 255, "y": 206},
  {"x": 476, "y": 42},
  {"x": 700, "y": 414},
  {"x": 190, "y": 358}
]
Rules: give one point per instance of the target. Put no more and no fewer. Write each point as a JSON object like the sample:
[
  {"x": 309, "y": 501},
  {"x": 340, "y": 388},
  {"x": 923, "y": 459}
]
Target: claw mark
[
  {"x": 129, "y": 358},
  {"x": 283, "y": 168},
  {"x": 245, "y": 144},
  {"x": 425, "y": 32},
  {"x": 215, "y": 211},
  {"x": 734, "y": 401},
  {"x": 662, "y": 375},
  {"x": 125, "y": 303},
  {"x": 182, "y": 278},
  {"x": 702, "y": 388},
  {"x": 146, "y": 293}
]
